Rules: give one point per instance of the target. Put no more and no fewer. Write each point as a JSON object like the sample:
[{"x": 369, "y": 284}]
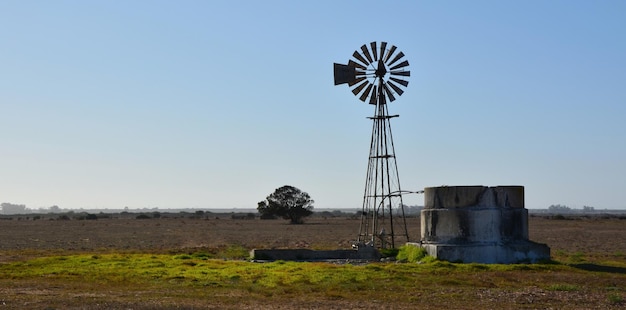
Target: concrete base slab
[{"x": 489, "y": 253}]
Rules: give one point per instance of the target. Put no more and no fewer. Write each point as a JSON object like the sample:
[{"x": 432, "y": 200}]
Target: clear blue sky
[{"x": 214, "y": 104}]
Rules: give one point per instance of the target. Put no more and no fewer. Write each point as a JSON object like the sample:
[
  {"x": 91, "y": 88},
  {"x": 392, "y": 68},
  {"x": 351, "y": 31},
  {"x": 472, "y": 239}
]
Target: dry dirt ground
[
  {"x": 600, "y": 236},
  {"x": 174, "y": 233}
]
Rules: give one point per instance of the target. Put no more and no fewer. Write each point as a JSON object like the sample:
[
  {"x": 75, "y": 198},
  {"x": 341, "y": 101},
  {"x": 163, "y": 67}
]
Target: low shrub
[{"x": 411, "y": 254}]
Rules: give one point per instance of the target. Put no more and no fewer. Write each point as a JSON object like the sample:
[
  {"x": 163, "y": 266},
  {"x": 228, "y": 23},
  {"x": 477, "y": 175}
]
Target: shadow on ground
[{"x": 600, "y": 268}]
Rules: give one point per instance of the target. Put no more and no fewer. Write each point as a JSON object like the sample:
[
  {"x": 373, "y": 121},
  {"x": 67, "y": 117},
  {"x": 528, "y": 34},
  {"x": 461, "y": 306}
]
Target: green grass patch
[
  {"x": 196, "y": 268},
  {"x": 191, "y": 274},
  {"x": 234, "y": 252},
  {"x": 615, "y": 298},
  {"x": 577, "y": 257},
  {"x": 563, "y": 287}
]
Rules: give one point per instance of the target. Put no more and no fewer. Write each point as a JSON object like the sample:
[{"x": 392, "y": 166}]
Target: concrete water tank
[{"x": 478, "y": 224}]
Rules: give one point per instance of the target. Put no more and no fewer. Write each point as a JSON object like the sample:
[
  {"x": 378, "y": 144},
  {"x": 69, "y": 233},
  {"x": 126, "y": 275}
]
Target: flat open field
[
  {"x": 175, "y": 233},
  {"x": 599, "y": 237},
  {"x": 595, "y": 246}
]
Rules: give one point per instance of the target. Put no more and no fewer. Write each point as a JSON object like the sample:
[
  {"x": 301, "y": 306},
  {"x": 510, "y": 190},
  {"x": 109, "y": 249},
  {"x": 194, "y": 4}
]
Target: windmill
[{"x": 376, "y": 76}]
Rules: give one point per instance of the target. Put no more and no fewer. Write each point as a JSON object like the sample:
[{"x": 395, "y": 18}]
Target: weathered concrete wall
[
  {"x": 363, "y": 253},
  {"x": 449, "y": 197},
  {"x": 478, "y": 224},
  {"x": 474, "y": 225}
]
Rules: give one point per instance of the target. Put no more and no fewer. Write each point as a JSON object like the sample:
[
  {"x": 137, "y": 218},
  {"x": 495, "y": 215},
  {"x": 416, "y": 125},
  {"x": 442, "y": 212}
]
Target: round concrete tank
[
  {"x": 478, "y": 224},
  {"x": 474, "y": 214}
]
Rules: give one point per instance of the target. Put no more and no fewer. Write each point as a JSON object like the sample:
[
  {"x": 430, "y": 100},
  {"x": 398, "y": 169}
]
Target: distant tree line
[
  {"x": 11, "y": 208},
  {"x": 565, "y": 209}
]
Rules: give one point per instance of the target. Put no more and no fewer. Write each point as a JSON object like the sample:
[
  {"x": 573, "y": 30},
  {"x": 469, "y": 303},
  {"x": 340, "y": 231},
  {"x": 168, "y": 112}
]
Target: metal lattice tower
[{"x": 377, "y": 75}]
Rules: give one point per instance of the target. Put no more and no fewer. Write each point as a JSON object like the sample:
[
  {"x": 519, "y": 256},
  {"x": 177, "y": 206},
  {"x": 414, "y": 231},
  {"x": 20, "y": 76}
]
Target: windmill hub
[{"x": 381, "y": 70}]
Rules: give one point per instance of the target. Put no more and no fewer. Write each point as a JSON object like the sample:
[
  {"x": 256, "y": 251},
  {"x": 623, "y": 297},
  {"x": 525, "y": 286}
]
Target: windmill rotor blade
[
  {"x": 400, "y": 55},
  {"x": 399, "y": 81},
  {"x": 356, "y": 81},
  {"x": 396, "y": 88},
  {"x": 400, "y": 65},
  {"x": 358, "y": 89},
  {"x": 366, "y": 92},
  {"x": 360, "y": 58},
  {"x": 388, "y": 92},
  {"x": 374, "y": 52},
  {"x": 366, "y": 53},
  {"x": 354, "y": 64},
  {"x": 383, "y": 46},
  {"x": 373, "y": 96},
  {"x": 391, "y": 51},
  {"x": 402, "y": 73}
]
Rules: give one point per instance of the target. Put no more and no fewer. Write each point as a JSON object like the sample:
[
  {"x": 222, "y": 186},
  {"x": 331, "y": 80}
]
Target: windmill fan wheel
[{"x": 375, "y": 73}]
